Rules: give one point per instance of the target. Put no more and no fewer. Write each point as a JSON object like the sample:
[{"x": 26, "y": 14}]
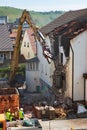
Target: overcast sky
[{"x": 46, "y": 5}]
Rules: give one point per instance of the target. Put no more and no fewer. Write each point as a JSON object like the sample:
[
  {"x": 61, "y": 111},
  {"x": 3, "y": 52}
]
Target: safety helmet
[
  {"x": 21, "y": 109},
  {"x": 12, "y": 114},
  {"x": 9, "y": 109}
]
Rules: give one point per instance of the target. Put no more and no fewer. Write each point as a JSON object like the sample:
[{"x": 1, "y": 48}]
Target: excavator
[
  {"x": 14, "y": 64},
  {"x": 26, "y": 17}
]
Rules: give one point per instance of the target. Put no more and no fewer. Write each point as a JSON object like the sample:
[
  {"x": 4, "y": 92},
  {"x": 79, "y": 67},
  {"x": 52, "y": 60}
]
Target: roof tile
[
  {"x": 32, "y": 39},
  {"x": 5, "y": 41},
  {"x": 63, "y": 19}
]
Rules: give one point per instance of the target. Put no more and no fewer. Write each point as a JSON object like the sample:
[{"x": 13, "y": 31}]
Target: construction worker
[
  {"x": 8, "y": 113},
  {"x": 21, "y": 114},
  {"x": 12, "y": 118}
]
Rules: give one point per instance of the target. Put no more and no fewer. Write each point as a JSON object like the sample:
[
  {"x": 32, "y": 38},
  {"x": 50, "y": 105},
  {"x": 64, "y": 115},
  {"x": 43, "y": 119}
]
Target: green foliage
[
  {"x": 39, "y": 18},
  {"x": 4, "y": 72},
  {"x": 21, "y": 69},
  {"x": 12, "y": 13},
  {"x": 43, "y": 18}
]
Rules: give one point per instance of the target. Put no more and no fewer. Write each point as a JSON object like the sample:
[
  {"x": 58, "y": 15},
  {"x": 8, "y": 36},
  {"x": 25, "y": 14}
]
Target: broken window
[{"x": 65, "y": 42}]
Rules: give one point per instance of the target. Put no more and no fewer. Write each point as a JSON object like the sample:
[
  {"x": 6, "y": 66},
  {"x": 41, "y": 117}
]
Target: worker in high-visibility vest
[
  {"x": 21, "y": 114},
  {"x": 8, "y": 113},
  {"x": 12, "y": 118}
]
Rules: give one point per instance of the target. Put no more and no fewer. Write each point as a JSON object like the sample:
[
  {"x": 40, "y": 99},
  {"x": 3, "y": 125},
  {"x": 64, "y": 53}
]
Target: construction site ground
[{"x": 27, "y": 99}]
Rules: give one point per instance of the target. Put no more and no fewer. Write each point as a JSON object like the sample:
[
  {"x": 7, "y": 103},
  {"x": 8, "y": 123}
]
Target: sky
[{"x": 46, "y": 5}]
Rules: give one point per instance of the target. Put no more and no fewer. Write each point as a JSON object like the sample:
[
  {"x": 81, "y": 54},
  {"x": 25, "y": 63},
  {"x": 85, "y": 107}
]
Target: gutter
[{"x": 72, "y": 72}]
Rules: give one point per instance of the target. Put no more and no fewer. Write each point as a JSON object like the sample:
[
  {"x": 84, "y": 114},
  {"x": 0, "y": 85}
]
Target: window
[
  {"x": 61, "y": 58},
  {"x": 4, "y": 56},
  {"x": 1, "y": 55},
  {"x": 24, "y": 44},
  {"x": 32, "y": 66},
  {"x": 1, "y": 125},
  {"x": 27, "y": 44}
]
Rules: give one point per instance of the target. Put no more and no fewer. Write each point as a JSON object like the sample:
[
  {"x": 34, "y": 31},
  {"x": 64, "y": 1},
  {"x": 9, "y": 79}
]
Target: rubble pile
[
  {"x": 60, "y": 113},
  {"x": 29, "y": 98},
  {"x": 81, "y": 111},
  {"x": 28, "y": 110},
  {"x": 37, "y": 106},
  {"x": 47, "y": 112},
  {"x": 65, "y": 108}
]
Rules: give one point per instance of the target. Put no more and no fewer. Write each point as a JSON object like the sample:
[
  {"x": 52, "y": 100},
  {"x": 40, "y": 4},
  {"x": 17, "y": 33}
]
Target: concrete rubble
[
  {"x": 55, "y": 112},
  {"x": 64, "y": 108}
]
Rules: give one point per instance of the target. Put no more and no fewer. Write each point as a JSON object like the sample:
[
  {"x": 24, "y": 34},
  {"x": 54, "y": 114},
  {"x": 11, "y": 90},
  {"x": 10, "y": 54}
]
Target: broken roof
[
  {"x": 5, "y": 41},
  {"x": 63, "y": 20}
]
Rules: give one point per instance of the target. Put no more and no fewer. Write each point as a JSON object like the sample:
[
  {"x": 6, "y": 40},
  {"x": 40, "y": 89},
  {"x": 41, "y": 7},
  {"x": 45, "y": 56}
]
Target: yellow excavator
[{"x": 26, "y": 17}]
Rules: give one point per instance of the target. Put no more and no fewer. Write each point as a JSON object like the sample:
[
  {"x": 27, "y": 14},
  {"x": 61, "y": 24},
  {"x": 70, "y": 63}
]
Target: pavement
[{"x": 71, "y": 124}]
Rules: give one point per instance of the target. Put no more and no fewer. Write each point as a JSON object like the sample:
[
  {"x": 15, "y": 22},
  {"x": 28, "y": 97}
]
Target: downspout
[{"x": 72, "y": 72}]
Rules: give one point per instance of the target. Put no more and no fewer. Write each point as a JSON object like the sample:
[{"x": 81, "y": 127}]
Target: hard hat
[
  {"x": 21, "y": 109},
  {"x": 12, "y": 114},
  {"x": 9, "y": 109}
]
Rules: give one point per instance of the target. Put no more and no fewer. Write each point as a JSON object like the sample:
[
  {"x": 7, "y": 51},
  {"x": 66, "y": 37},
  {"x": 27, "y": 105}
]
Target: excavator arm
[{"x": 38, "y": 35}]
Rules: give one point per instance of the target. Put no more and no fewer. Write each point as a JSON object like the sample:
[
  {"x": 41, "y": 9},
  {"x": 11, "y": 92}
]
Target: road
[{"x": 74, "y": 124}]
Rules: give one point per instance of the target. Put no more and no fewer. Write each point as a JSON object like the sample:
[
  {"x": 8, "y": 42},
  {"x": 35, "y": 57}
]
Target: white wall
[
  {"x": 45, "y": 72},
  {"x": 32, "y": 80},
  {"x": 45, "y": 69},
  {"x": 27, "y": 51},
  {"x": 79, "y": 45}
]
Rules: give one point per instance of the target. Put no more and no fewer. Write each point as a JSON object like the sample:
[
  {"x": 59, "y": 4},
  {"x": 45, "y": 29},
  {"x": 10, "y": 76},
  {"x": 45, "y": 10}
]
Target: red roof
[{"x": 32, "y": 39}]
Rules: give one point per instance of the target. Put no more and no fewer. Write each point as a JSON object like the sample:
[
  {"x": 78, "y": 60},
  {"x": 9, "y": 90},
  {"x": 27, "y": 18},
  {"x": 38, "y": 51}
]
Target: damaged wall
[{"x": 77, "y": 65}]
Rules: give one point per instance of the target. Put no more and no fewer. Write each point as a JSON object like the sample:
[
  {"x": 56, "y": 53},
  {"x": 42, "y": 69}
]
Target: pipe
[{"x": 72, "y": 72}]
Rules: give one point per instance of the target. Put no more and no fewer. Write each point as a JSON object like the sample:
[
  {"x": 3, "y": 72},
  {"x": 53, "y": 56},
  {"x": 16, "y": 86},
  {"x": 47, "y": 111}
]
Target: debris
[
  {"x": 60, "y": 113},
  {"x": 81, "y": 111},
  {"x": 44, "y": 112},
  {"x": 81, "y": 108}
]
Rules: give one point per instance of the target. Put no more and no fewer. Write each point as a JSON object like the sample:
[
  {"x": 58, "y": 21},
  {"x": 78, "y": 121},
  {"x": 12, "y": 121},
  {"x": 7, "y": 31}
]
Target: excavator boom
[{"x": 38, "y": 35}]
